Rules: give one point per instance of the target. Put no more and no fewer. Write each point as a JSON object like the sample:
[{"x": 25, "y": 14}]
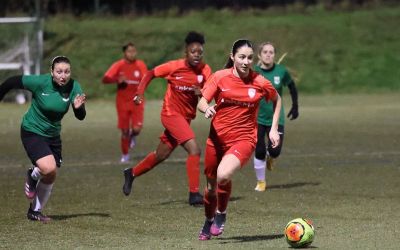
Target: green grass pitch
[{"x": 340, "y": 167}]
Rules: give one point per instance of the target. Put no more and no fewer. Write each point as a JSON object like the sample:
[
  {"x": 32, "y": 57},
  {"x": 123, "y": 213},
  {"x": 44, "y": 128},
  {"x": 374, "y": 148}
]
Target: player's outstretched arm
[{"x": 14, "y": 82}]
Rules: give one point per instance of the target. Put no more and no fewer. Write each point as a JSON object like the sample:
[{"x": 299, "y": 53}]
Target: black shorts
[{"x": 38, "y": 146}]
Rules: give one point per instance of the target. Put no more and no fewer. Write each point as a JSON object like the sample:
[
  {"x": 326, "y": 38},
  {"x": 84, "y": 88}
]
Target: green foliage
[{"x": 327, "y": 51}]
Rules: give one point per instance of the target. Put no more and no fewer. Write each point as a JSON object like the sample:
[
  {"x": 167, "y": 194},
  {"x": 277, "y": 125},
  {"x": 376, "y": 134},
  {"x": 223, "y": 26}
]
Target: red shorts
[
  {"x": 130, "y": 115},
  {"x": 177, "y": 130},
  {"x": 213, "y": 156}
]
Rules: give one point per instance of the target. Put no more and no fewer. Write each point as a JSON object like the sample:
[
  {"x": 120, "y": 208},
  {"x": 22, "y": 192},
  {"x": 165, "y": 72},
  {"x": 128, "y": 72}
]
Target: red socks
[
  {"x": 210, "y": 204},
  {"x": 145, "y": 165},
  {"x": 212, "y": 201},
  {"x": 125, "y": 145},
  {"x": 224, "y": 193},
  {"x": 193, "y": 172}
]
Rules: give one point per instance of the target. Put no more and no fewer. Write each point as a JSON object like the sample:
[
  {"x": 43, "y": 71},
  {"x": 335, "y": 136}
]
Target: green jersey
[
  {"x": 279, "y": 77},
  {"x": 50, "y": 103}
]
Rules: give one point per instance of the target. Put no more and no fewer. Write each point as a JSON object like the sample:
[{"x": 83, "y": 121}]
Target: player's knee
[
  {"x": 136, "y": 130},
  {"x": 274, "y": 153},
  {"x": 260, "y": 153}
]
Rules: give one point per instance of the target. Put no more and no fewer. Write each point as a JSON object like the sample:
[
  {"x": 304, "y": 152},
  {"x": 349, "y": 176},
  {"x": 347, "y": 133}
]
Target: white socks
[
  {"x": 43, "y": 192},
  {"x": 36, "y": 174},
  {"x": 259, "y": 168}
]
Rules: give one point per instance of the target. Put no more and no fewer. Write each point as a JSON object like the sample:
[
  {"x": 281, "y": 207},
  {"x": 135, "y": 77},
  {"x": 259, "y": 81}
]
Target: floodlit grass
[
  {"x": 328, "y": 51},
  {"x": 340, "y": 167}
]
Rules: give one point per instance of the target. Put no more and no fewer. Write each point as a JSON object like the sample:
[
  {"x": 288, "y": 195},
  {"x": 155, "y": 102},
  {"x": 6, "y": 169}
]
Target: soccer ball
[{"x": 299, "y": 232}]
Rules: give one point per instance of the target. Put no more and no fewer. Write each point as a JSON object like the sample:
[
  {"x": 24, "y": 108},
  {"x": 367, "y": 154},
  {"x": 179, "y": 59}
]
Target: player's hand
[
  {"x": 197, "y": 90},
  {"x": 210, "y": 112},
  {"x": 138, "y": 99},
  {"x": 294, "y": 112},
  {"x": 274, "y": 138},
  {"x": 121, "y": 79},
  {"x": 79, "y": 100}
]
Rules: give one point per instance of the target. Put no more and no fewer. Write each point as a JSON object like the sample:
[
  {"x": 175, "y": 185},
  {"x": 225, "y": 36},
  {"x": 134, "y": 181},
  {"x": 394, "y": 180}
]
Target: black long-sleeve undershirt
[
  {"x": 14, "y": 82},
  {"x": 293, "y": 93}
]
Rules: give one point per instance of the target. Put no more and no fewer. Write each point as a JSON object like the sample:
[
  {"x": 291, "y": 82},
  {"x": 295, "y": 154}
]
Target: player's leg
[
  {"x": 179, "y": 128},
  {"x": 123, "y": 125},
  {"x": 211, "y": 160},
  {"x": 234, "y": 159},
  {"x": 273, "y": 153},
  {"x": 164, "y": 149},
  {"x": 259, "y": 158},
  {"x": 137, "y": 122}
]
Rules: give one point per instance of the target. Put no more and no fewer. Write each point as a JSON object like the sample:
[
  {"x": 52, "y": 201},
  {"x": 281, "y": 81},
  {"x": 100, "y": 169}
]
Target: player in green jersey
[
  {"x": 279, "y": 77},
  {"x": 52, "y": 94}
]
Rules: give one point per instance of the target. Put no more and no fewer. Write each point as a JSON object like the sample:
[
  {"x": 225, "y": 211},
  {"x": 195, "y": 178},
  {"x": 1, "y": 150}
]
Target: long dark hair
[
  {"x": 59, "y": 59},
  {"x": 235, "y": 47}
]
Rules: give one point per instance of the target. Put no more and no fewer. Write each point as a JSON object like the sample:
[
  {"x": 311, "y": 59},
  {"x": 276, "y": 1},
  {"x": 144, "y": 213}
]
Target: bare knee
[{"x": 136, "y": 130}]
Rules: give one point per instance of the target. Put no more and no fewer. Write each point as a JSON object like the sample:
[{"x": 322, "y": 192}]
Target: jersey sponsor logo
[
  {"x": 237, "y": 103},
  {"x": 184, "y": 88},
  {"x": 200, "y": 78},
  {"x": 277, "y": 80},
  {"x": 136, "y": 73},
  {"x": 251, "y": 92},
  {"x": 45, "y": 94}
]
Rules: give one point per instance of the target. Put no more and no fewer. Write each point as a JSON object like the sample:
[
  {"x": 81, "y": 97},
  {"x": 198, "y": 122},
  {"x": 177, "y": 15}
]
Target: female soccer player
[
  {"x": 127, "y": 73},
  {"x": 185, "y": 78},
  {"x": 279, "y": 77},
  {"x": 52, "y": 94},
  {"x": 237, "y": 91}
]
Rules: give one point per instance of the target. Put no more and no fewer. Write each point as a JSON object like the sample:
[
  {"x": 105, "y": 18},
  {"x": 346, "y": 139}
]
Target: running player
[
  {"x": 237, "y": 91},
  {"x": 52, "y": 94},
  {"x": 279, "y": 77},
  {"x": 185, "y": 78},
  {"x": 127, "y": 73}
]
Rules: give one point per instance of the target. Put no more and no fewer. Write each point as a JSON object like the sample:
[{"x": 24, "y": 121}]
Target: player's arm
[
  {"x": 294, "y": 111},
  {"x": 14, "y": 82},
  {"x": 79, "y": 106},
  {"x": 143, "y": 85},
  {"x": 112, "y": 75}
]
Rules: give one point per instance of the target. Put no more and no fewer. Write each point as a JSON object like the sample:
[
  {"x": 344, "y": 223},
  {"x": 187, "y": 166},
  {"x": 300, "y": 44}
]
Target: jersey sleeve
[
  {"x": 163, "y": 70},
  {"x": 207, "y": 72},
  {"x": 111, "y": 75},
  {"x": 76, "y": 89},
  {"x": 210, "y": 88},
  {"x": 143, "y": 68},
  {"x": 270, "y": 92},
  {"x": 32, "y": 82},
  {"x": 287, "y": 79}
]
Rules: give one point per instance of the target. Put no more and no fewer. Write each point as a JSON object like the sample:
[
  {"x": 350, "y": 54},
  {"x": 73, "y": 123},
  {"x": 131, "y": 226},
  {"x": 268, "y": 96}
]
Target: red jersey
[
  {"x": 237, "y": 104},
  {"x": 180, "y": 97},
  {"x": 133, "y": 72}
]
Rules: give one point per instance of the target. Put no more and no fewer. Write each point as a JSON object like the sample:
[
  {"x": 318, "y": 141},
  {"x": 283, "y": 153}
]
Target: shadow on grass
[
  {"x": 235, "y": 198},
  {"x": 249, "y": 238},
  {"x": 293, "y": 185},
  {"x": 69, "y": 216}
]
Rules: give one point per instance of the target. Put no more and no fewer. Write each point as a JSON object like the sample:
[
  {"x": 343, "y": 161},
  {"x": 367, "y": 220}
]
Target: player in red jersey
[
  {"x": 185, "y": 79},
  {"x": 127, "y": 73},
  {"x": 237, "y": 91}
]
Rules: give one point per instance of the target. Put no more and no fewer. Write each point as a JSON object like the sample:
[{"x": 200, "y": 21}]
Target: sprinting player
[
  {"x": 185, "y": 78},
  {"x": 127, "y": 73},
  {"x": 279, "y": 77},
  {"x": 237, "y": 91},
  {"x": 52, "y": 94}
]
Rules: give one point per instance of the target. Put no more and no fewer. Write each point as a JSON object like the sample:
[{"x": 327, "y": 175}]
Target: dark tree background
[{"x": 145, "y": 7}]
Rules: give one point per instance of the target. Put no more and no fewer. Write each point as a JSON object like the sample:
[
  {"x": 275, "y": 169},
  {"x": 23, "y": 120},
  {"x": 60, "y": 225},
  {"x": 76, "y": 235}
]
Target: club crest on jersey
[
  {"x": 277, "y": 80},
  {"x": 251, "y": 92},
  {"x": 136, "y": 73},
  {"x": 200, "y": 78}
]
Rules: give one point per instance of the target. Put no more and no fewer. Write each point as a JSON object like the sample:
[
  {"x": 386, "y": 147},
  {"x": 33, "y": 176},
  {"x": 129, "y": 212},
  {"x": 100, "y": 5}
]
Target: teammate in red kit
[
  {"x": 185, "y": 79},
  {"x": 237, "y": 91},
  {"x": 127, "y": 73}
]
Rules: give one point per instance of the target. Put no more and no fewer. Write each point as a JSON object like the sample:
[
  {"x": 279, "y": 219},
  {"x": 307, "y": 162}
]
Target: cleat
[
  {"x": 124, "y": 158},
  {"x": 205, "y": 231},
  {"x": 30, "y": 185},
  {"x": 127, "y": 188},
  {"x": 261, "y": 186},
  {"x": 195, "y": 199},
  {"x": 132, "y": 143},
  {"x": 270, "y": 163},
  {"x": 37, "y": 216},
  {"x": 217, "y": 227}
]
